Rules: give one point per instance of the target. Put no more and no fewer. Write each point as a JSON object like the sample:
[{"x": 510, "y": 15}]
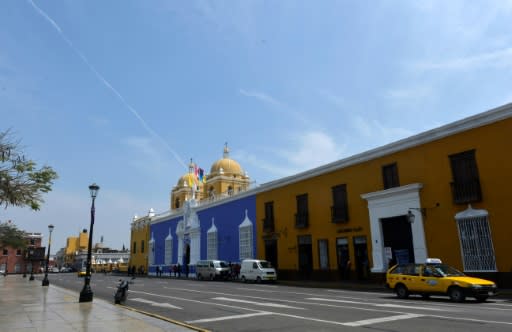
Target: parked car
[
  {"x": 435, "y": 278},
  {"x": 55, "y": 270},
  {"x": 257, "y": 270},
  {"x": 212, "y": 269}
]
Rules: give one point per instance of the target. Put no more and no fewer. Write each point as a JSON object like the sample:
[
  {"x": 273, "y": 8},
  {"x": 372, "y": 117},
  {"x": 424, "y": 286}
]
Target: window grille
[
  {"x": 168, "y": 250},
  {"x": 151, "y": 248},
  {"x": 476, "y": 244},
  {"x": 212, "y": 245},
  {"x": 245, "y": 234}
]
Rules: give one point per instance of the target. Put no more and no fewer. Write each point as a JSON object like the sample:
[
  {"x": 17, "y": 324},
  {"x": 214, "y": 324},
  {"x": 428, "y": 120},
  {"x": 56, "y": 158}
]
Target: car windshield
[
  {"x": 265, "y": 265},
  {"x": 223, "y": 264},
  {"x": 447, "y": 270}
]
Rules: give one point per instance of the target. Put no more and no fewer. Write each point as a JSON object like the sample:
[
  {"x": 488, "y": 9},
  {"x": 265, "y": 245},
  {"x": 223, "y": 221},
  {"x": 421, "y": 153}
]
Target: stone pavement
[{"x": 27, "y": 306}]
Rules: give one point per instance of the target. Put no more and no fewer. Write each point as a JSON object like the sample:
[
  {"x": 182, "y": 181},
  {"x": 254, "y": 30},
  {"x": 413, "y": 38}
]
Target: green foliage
[
  {"x": 11, "y": 236},
  {"x": 22, "y": 183}
]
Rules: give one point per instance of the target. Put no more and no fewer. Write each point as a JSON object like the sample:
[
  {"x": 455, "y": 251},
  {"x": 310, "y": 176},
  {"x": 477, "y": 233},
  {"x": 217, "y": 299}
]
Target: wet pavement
[{"x": 25, "y": 305}]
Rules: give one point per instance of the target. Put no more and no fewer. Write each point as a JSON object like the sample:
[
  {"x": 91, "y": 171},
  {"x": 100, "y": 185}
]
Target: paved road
[{"x": 234, "y": 306}]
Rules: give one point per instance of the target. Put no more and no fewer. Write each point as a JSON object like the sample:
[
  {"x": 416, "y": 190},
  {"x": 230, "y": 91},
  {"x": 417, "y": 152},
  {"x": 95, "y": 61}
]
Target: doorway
[
  {"x": 397, "y": 235},
  {"x": 305, "y": 256},
  {"x": 361, "y": 258},
  {"x": 271, "y": 252},
  {"x": 343, "y": 258}
]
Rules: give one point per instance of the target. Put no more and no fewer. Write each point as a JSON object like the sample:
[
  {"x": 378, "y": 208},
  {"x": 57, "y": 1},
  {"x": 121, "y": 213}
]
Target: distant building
[
  {"x": 75, "y": 254},
  {"x": 24, "y": 260}
]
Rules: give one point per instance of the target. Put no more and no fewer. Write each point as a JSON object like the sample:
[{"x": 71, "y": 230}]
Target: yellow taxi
[
  {"x": 436, "y": 278},
  {"x": 82, "y": 272}
]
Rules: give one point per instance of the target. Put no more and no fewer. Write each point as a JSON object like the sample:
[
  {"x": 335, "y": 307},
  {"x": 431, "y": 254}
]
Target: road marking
[
  {"x": 216, "y": 319},
  {"x": 390, "y": 305},
  {"x": 156, "y": 304},
  {"x": 335, "y": 300},
  {"x": 382, "y": 320},
  {"x": 263, "y": 304},
  {"x": 383, "y": 305}
]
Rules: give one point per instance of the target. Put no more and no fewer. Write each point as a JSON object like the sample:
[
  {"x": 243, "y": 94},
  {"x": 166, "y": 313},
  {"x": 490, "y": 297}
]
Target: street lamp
[
  {"x": 46, "y": 282},
  {"x": 86, "y": 293}
]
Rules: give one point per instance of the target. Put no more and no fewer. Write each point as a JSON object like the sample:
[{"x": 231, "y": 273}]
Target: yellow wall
[
  {"x": 428, "y": 164},
  {"x": 139, "y": 233}
]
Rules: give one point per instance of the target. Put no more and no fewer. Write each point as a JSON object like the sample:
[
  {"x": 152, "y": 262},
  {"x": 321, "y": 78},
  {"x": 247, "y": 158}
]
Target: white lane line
[
  {"x": 383, "y": 305},
  {"x": 381, "y": 320},
  {"x": 335, "y": 300},
  {"x": 390, "y": 305},
  {"x": 156, "y": 304},
  {"x": 263, "y": 304},
  {"x": 216, "y": 319}
]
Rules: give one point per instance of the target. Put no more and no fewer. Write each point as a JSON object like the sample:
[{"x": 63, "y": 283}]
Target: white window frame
[
  {"x": 245, "y": 244},
  {"x": 212, "y": 246},
  {"x": 168, "y": 251}
]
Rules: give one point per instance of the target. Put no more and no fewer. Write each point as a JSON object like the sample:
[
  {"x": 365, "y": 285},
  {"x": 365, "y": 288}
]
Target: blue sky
[{"x": 124, "y": 93}]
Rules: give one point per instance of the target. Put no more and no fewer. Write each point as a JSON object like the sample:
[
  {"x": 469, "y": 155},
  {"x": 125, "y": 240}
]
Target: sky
[{"x": 124, "y": 93}]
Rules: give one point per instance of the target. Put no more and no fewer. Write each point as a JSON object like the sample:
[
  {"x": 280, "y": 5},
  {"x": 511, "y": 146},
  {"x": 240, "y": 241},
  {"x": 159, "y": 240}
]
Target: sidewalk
[{"x": 27, "y": 306}]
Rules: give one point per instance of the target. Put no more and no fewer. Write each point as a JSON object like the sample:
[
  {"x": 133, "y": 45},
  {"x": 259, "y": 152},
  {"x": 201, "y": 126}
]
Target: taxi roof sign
[{"x": 433, "y": 261}]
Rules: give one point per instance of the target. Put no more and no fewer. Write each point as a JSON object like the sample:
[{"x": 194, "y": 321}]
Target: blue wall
[{"x": 227, "y": 216}]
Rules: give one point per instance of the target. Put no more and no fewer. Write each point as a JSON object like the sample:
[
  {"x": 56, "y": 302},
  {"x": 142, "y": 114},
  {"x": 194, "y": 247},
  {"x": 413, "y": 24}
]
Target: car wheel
[
  {"x": 456, "y": 294},
  {"x": 481, "y": 298},
  {"x": 243, "y": 279},
  {"x": 212, "y": 277},
  {"x": 401, "y": 291},
  {"x": 258, "y": 280},
  {"x": 200, "y": 276}
]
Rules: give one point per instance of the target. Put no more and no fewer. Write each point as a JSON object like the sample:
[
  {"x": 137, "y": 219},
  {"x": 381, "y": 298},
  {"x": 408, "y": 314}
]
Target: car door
[{"x": 430, "y": 281}]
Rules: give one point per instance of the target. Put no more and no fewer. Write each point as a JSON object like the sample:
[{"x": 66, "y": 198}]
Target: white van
[
  {"x": 212, "y": 269},
  {"x": 257, "y": 270}
]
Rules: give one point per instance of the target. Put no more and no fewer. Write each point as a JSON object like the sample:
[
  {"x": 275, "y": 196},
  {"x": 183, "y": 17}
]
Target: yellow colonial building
[
  {"x": 139, "y": 242},
  {"x": 442, "y": 193},
  {"x": 74, "y": 246}
]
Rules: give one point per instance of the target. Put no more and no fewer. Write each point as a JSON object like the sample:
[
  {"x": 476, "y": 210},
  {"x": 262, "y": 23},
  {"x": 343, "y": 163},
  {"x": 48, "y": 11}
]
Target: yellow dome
[
  {"x": 229, "y": 166},
  {"x": 184, "y": 180}
]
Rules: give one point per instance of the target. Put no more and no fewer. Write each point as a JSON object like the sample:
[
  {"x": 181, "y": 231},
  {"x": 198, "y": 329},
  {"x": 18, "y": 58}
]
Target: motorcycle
[{"x": 122, "y": 292}]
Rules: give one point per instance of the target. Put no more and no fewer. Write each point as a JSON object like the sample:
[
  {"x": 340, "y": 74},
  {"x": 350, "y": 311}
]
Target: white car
[{"x": 257, "y": 270}]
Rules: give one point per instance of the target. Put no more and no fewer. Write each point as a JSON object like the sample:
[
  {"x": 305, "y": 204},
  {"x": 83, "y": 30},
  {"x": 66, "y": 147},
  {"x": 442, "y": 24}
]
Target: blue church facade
[{"x": 223, "y": 230}]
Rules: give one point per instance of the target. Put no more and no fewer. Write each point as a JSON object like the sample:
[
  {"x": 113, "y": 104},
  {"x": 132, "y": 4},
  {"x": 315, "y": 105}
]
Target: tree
[
  {"x": 11, "y": 236},
  {"x": 22, "y": 183}
]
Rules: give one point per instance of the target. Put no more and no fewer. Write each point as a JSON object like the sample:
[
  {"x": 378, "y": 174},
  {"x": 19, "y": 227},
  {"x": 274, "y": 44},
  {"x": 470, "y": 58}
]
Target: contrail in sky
[{"x": 106, "y": 83}]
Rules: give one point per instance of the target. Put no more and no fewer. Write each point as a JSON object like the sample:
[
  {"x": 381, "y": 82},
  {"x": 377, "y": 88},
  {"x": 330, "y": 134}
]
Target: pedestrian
[
  {"x": 175, "y": 270},
  {"x": 178, "y": 267}
]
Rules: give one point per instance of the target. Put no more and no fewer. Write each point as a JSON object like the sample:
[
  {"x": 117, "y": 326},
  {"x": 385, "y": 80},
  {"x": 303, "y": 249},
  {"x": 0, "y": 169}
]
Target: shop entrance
[{"x": 397, "y": 235}]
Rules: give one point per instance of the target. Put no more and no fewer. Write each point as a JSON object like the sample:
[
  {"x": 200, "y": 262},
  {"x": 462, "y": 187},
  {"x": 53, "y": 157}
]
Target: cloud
[
  {"x": 305, "y": 151},
  {"x": 336, "y": 100},
  {"x": 377, "y": 132},
  {"x": 261, "y": 97},
  {"x": 497, "y": 58},
  {"x": 277, "y": 106},
  {"x": 312, "y": 150},
  {"x": 408, "y": 93}
]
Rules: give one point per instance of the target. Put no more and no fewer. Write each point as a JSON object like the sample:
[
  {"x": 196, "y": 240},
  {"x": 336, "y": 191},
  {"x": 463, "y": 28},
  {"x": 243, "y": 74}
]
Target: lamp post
[
  {"x": 46, "y": 282},
  {"x": 86, "y": 293}
]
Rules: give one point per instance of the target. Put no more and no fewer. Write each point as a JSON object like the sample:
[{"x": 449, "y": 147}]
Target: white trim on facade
[{"x": 395, "y": 202}]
